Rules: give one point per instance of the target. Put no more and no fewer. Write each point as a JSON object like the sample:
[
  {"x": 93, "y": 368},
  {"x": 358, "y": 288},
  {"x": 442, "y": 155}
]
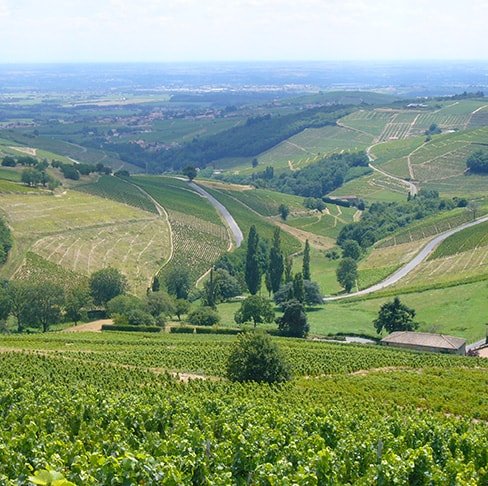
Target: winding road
[
  {"x": 224, "y": 212},
  {"x": 412, "y": 264}
]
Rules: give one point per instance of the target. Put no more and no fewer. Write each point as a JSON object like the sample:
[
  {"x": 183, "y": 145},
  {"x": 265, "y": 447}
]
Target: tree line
[{"x": 258, "y": 134}]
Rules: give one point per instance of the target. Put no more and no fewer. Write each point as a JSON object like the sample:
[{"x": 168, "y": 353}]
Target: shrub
[
  {"x": 126, "y": 328},
  {"x": 203, "y": 316},
  {"x": 123, "y": 304},
  {"x": 138, "y": 317},
  {"x": 255, "y": 357}
]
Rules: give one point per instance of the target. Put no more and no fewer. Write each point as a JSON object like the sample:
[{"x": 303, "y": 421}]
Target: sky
[{"x": 241, "y": 30}]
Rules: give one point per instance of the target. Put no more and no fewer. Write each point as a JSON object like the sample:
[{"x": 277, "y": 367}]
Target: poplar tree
[
  {"x": 288, "y": 269},
  {"x": 276, "y": 262},
  {"x": 306, "y": 262},
  {"x": 298, "y": 288},
  {"x": 252, "y": 270}
]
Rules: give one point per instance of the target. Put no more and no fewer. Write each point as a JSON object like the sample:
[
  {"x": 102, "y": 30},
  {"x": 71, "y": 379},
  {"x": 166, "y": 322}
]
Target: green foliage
[
  {"x": 5, "y": 240},
  {"x": 77, "y": 299},
  {"x": 139, "y": 317},
  {"x": 178, "y": 282},
  {"x": 347, "y": 273},
  {"x": 160, "y": 303},
  {"x": 128, "y": 328},
  {"x": 123, "y": 304},
  {"x": 190, "y": 172},
  {"x": 312, "y": 294},
  {"x": 478, "y": 162},
  {"x": 220, "y": 287},
  {"x": 203, "y": 316},
  {"x": 284, "y": 211},
  {"x": 255, "y": 309},
  {"x": 49, "y": 478},
  {"x": 252, "y": 272},
  {"x": 319, "y": 178},
  {"x": 382, "y": 219},
  {"x": 298, "y": 288},
  {"x": 276, "y": 265},
  {"x": 293, "y": 322},
  {"x": 255, "y": 357},
  {"x": 182, "y": 307},
  {"x": 351, "y": 249},
  {"x": 306, "y": 262},
  {"x": 43, "y": 304},
  {"x": 395, "y": 316},
  {"x": 105, "y": 284}
]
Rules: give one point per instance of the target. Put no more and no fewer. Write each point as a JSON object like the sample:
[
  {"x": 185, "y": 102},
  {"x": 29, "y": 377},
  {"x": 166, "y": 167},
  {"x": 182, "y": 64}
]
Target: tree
[
  {"x": 252, "y": 271},
  {"x": 473, "y": 208},
  {"x": 19, "y": 292},
  {"x": 276, "y": 262},
  {"x": 298, "y": 288},
  {"x": 9, "y": 161},
  {"x": 254, "y": 163},
  {"x": 5, "y": 301},
  {"x": 284, "y": 211},
  {"x": 77, "y": 298},
  {"x": 351, "y": 249},
  {"x": 181, "y": 308},
  {"x": 30, "y": 177},
  {"x": 45, "y": 300},
  {"x": 160, "y": 303},
  {"x": 203, "y": 316},
  {"x": 255, "y": 357},
  {"x": 136, "y": 317},
  {"x": 178, "y": 282},
  {"x": 107, "y": 283},
  {"x": 395, "y": 316},
  {"x": 288, "y": 269},
  {"x": 306, "y": 262},
  {"x": 210, "y": 291},
  {"x": 256, "y": 309},
  {"x": 313, "y": 295},
  {"x": 123, "y": 304},
  {"x": 294, "y": 322},
  {"x": 347, "y": 273},
  {"x": 190, "y": 172}
]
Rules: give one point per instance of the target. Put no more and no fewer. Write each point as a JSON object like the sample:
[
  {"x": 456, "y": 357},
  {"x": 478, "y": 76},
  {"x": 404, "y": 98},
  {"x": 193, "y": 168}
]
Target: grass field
[
  {"x": 84, "y": 233},
  {"x": 458, "y": 311}
]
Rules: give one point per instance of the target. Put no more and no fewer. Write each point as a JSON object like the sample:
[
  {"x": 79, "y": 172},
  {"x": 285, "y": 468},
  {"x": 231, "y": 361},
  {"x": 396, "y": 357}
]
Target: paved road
[
  {"x": 412, "y": 264},
  {"x": 231, "y": 222}
]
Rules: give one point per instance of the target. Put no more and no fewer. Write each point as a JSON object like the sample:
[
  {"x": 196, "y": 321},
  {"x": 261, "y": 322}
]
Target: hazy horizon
[{"x": 150, "y": 31}]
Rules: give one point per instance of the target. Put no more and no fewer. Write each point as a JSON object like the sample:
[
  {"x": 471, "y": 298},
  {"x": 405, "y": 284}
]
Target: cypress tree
[
  {"x": 298, "y": 288},
  {"x": 252, "y": 271},
  {"x": 306, "y": 262},
  {"x": 276, "y": 262},
  {"x": 288, "y": 269}
]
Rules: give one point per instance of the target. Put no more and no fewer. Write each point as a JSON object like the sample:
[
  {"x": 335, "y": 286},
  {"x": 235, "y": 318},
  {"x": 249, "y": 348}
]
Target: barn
[{"x": 424, "y": 341}]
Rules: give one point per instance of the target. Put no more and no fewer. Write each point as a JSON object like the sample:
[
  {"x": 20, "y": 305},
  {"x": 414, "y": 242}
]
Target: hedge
[{"x": 112, "y": 327}]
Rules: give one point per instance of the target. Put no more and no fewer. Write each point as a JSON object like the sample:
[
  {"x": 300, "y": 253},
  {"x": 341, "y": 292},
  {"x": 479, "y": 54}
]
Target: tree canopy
[{"x": 395, "y": 316}]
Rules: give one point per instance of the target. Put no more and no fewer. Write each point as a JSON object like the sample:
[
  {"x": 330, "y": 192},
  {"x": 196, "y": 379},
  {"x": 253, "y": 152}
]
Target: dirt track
[{"x": 95, "y": 326}]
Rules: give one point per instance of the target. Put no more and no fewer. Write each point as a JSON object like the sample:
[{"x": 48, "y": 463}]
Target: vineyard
[
  {"x": 137, "y": 248},
  {"x": 468, "y": 239},
  {"x": 138, "y": 425},
  {"x": 199, "y": 236},
  {"x": 83, "y": 233},
  {"x": 119, "y": 190}
]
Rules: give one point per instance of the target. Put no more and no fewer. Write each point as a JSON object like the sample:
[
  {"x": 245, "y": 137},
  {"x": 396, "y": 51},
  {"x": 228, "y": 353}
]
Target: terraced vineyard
[
  {"x": 83, "y": 233},
  {"x": 343, "y": 428},
  {"x": 119, "y": 190},
  {"x": 199, "y": 236}
]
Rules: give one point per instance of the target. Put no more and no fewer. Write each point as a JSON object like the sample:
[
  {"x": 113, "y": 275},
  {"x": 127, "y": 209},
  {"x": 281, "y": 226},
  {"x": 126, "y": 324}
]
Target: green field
[
  {"x": 246, "y": 217},
  {"x": 199, "y": 235},
  {"x": 134, "y": 421},
  {"x": 119, "y": 190},
  {"x": 84, "y": 233}
]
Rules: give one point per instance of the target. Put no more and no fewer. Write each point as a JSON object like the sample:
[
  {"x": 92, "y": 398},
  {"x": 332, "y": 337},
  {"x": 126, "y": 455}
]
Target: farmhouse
[{"x": 423, "y": 341}]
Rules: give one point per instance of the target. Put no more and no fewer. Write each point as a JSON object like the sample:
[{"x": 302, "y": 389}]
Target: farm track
[{"x": 424, "y": 253}]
